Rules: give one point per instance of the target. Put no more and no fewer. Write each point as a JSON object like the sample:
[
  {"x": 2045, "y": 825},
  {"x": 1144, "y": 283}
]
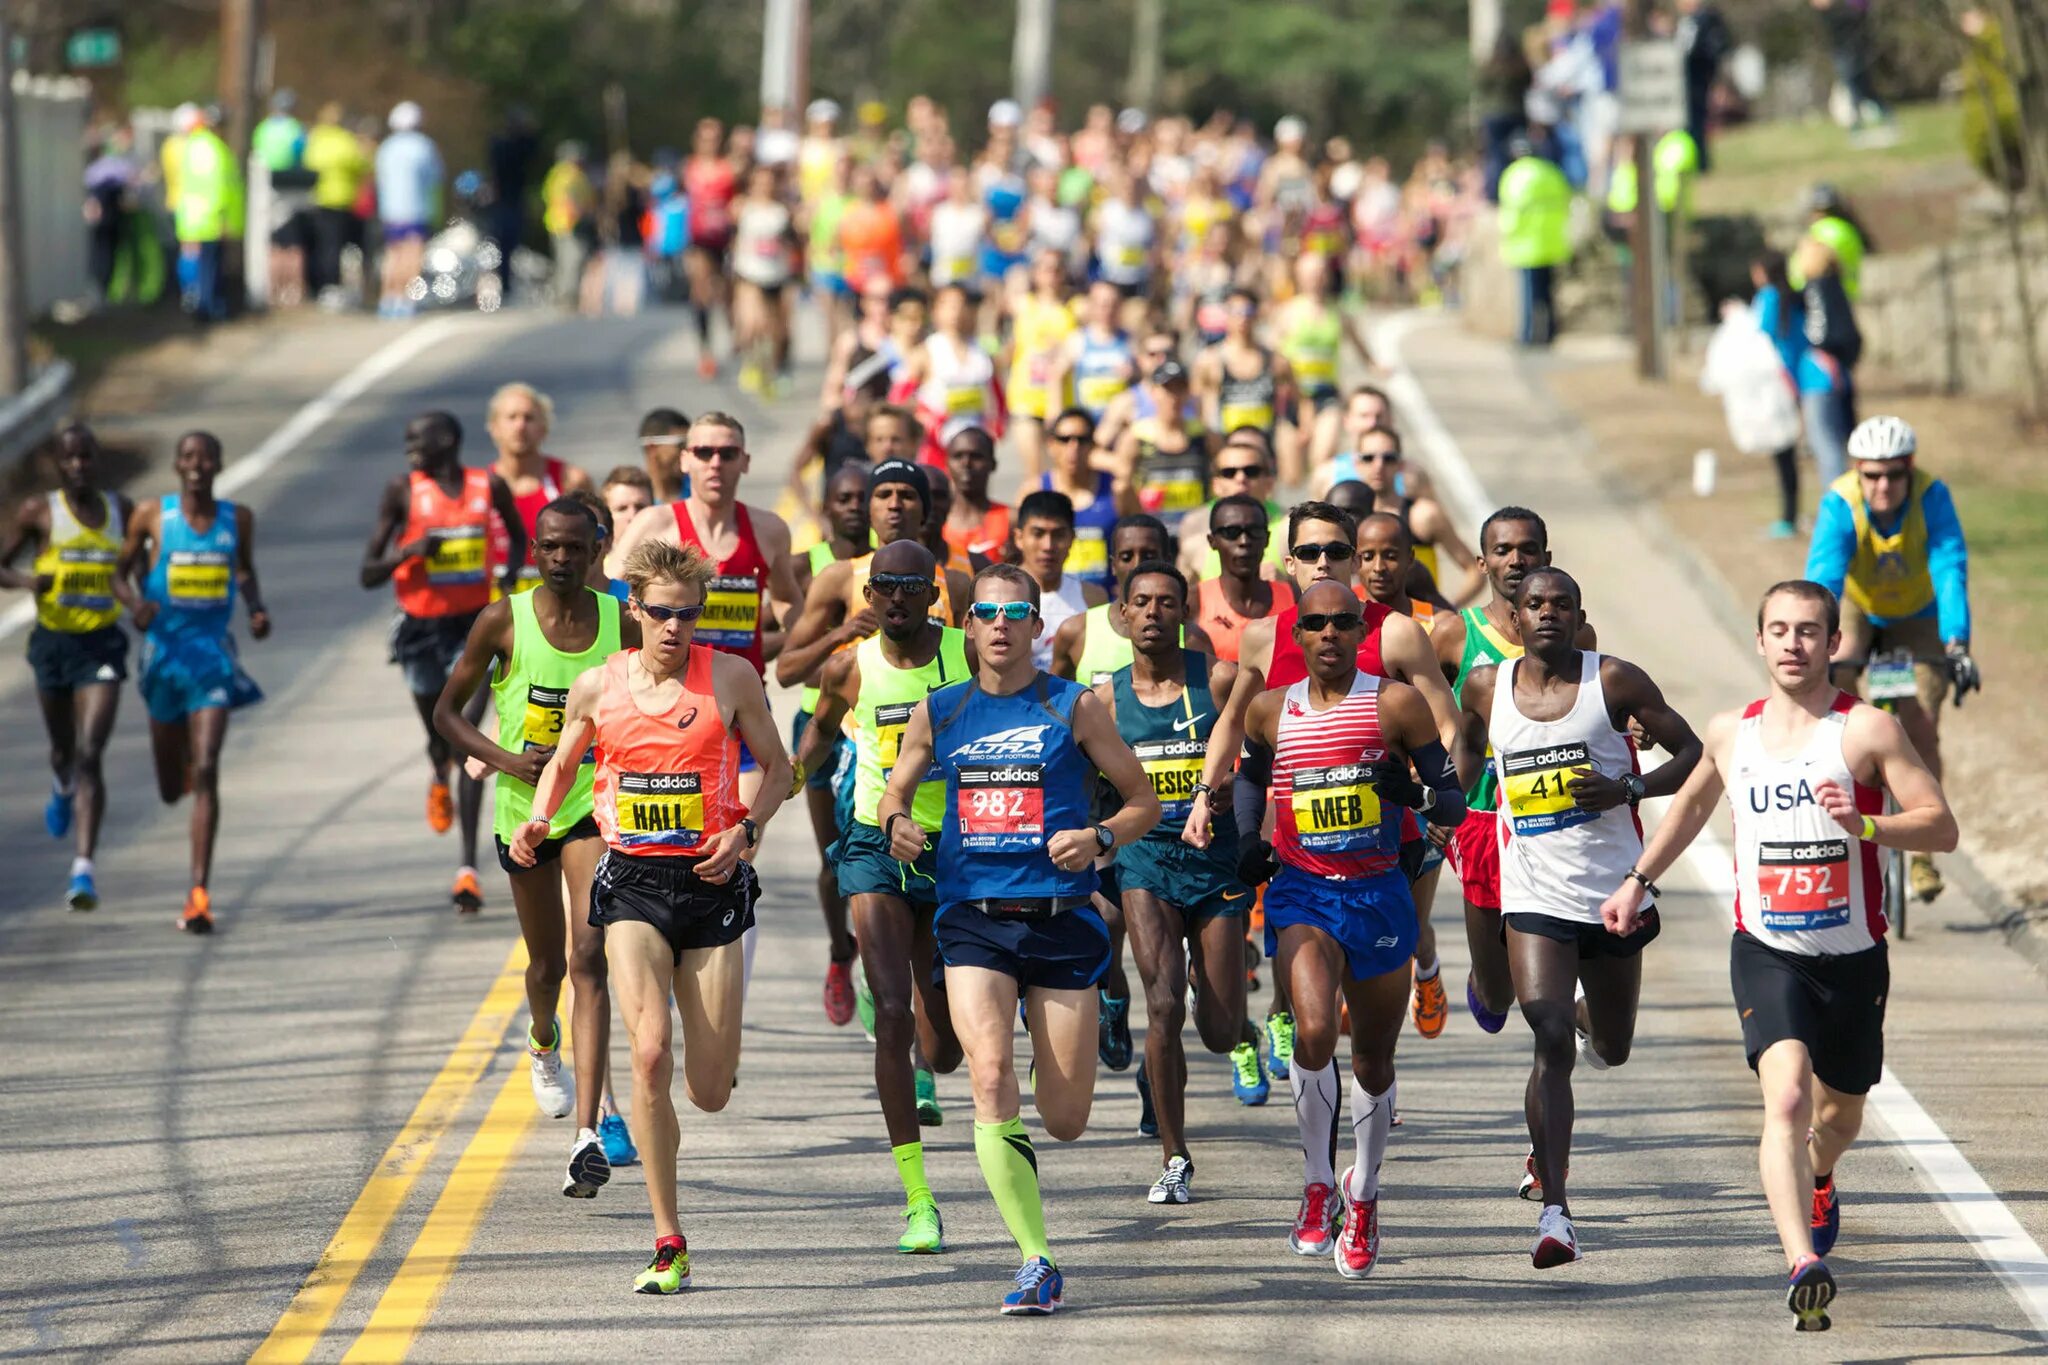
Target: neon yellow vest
[
  {"x": 81, "y": 561},
  {"x": 1888, "y": 576},
  {"x": 888, "y": 695},
  {"x": 531, "y": 696}
]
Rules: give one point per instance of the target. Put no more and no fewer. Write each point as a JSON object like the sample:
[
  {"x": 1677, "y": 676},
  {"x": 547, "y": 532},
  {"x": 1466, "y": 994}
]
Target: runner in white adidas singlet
[
  {"x": 1806, "y": 770},
  {"x": 1558, "y": 721}
]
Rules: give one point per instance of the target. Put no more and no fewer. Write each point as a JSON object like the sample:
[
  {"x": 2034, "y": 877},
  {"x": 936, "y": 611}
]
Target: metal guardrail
[{"x": 31, "y": 415}]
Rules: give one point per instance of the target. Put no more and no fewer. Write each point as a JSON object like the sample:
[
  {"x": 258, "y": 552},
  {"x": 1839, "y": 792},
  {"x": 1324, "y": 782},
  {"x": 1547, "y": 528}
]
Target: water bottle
[{"x": 1703, "y": 473}]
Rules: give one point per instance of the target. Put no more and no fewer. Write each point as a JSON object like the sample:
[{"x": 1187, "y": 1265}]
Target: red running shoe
[
  {"x": 839, "y": 993},
  {"x": 1321, "y": 1207}
]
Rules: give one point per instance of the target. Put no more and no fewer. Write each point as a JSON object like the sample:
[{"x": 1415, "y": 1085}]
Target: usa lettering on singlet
[{"x": 1803, "y": 884}]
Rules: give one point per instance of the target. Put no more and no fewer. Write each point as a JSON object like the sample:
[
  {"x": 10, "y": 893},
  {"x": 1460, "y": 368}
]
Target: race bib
[
  {"x": 1097, "y": 390},
  {"x": 1258, "y": 415},
  {"x": 963, "y": 402},
  {"x": 197, "y": 578},
  {"x": 1001, "y": 807},
  {"x": 1315, "y": 370},
  {"x": 1172, "y": 488},
  {"x": 1804, "y": 884},
  {"x": 1336, "y": 810},
  {"x": 660, "y": 810},
  {"x": 732, "y": 611},
  {"x": 1130, "y": 257},
  {"x": 1175, "y": 766},
  {"x": 891, "y": 721},
  {"x": 1536, "y": 785},
  {"x": 85, "y": 579},
  {"x": 1089, "y": 555},
  {"x": 455, "y": 555},
  {"x": 1891, "y": 678},
  {"x": 543, "y": 727}
]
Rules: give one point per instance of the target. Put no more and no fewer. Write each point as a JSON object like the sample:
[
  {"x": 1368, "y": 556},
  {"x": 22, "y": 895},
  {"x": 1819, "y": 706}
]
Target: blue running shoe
[
  {"x": 1037, "y": 1292},
  {"x": 1280, "y": 1045},
  {"x": 83, "y": 895},
  {"x": 1486, "y": 1018},
  {"x": 57, "y": 814},
  {"x": 1827, "y": 1218},
  {"x": 618, "y": 1141},
  {"x": 1113, "y": 1041},
  {"x": 1808, "y": 1293},
  {"x": 1248, "y": 1074},
  {"x": 1148, "y": 1120}
]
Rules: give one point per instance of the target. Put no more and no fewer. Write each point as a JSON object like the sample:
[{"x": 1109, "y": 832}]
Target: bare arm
[
  {"x": 821, "y": 627},
  {"x": 380, "y": 558},
  {"x": 1473, "y": 719},
  {"x": 1095, "y": 731},
  {"x": 1631, "y": 695},
  {"x": 579, "y": 729},
  {"x": 245, "y": 571},
  {"x": 733, "y": 677},
  {"x": 1406, "y": 651},
  {"x": 1066, "y": 647},
  {"x": 913, "y": 761},
  {"x": 1683, "y": 820},
  {"x": 31, "y": 528},
  {"x": 489, "y": 640},
  {"x": 133, "y": 564},
  {"x": 515, "y": 532},
  {"x": 1432, "y": 524},
  {"x": 838, "y": 685},
  {"x": 1924, "y": 823},
  {"x": 785, "y": 595}
]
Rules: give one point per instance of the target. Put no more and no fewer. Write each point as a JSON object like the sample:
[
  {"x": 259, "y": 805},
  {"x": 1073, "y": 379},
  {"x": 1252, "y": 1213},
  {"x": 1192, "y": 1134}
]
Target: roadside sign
[
  {"x": 1652, "y": 87},
  {"x": 90, "y": 47}
]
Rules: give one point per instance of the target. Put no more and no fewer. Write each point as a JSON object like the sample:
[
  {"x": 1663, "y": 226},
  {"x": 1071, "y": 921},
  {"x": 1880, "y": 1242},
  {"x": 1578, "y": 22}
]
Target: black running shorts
[
  {"x": 1833, "y": 1004},
  {"x": 1593, "y": 940},
  {"x": 667, "y": 893}
]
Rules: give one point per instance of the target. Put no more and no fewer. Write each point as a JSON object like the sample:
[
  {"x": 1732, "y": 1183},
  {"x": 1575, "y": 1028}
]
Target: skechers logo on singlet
[
  {"x": 1780, "y": 796},
  {"x": 1025, "y": 741}
]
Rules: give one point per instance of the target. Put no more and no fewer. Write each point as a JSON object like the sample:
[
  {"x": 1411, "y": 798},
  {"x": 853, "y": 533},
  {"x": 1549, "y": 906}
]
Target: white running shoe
[
  {"x": 1586, "y": 1052},
  {"x": 550, "y": 1086},
  {"x": 589, "y": 1167},
  {"x": 1556, "y": 1241},
  {"x": 1175, "y": 1183}
]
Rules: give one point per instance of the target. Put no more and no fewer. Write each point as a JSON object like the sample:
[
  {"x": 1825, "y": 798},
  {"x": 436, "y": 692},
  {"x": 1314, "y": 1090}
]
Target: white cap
[
  {"x": 1290, "y": 129},
  {"x": 1005, "y": 114},
  {"x": 1131, "y": 121},
  {"x": 405, "y": 117},
  {"x": 185, "y": 117},
  {"x": 822, "y": 111}
]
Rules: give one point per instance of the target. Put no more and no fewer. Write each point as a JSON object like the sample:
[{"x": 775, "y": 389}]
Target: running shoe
[
  {"x": 1781, "y": 530},
  {"x": 589, "y": 1167},
  {"x": 1808, "y": 1293},
  {"x": 1175, "y": 1184},
  {"x": 707, "y": 368},
  {"x": 1279, "y": 1045},
  {"x": 1827, "y": 1218},
  {"x": 82, "y": 895},
  {"x": 1321, "y": 1209},
  {"x": 1038, "y": 1290},
  {"x": 929, "y": 1115},
  {"x": 924, "y": 1232},
  {"x": 750, "y": 378},
  {"x": 1113, "y": 1032},
  {"x": 467, "y": 893},
  {"x": 198, "y": 915},
  {"x": 1556, "y": 1243},
  {"x": 1587, "y": 1053},
  {"x": 839, "y": 993},
  {"x": 550, "y": 1087},
  {"x": 1532, "y": 1185},
  {"x": 1484, "y": 1017},
  {"x": 1358, "y": 1245},
  {"x": 1429, "y": 1006},
  {"x": 1248, "y": 1075},
  {"x": 57, "y": 813},
  {"x": 668, "y": 1272},
  {"x": 864, "y": 1006},
  {"x": 440, "y": 807},
  {"x": 1148, "y": 1118},
  {"x": 1923, "y": 878},
  {"x": 618, "y": 1140}
]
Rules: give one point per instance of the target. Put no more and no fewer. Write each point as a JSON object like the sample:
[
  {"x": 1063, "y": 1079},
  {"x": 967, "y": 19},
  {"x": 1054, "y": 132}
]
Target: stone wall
[{"x": 1948, "y": 318}]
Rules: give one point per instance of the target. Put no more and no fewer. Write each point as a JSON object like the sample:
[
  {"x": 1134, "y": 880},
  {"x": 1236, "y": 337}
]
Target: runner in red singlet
[
  {"x": 518, "y": 421},
  {"x": 711, "y": 182}
]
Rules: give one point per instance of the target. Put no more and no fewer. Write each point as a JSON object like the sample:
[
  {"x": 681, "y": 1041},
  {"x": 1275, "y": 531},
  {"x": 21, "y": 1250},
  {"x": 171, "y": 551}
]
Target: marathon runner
[
  {"x": 1242, "y": 464},
  {"x": 77, "y": 650},
  {"x": 1365, "y": 408},
  {"x": 662, "y": 432},
  {"x": 1019, "y": 752},
  {"x": 1147, "y": 398},
  {"x": 1099, "y": 361},
  {"x": 1091, "y": 645},
  {"x": 1164, "y": 453},
  {"x": 949, "y": 376},
  {"x": 532, "y": 647},
  {"x": 765, "y": 262},
  {"x": 518, "y": 421},
  {"x": 1242, "y": 384},
  {"x": 1240, "y": 593},
  {"x": 976, "y": 525},
  {"x": 1888, "y": 543},
  {"x": 1184, "y": 905},
  {"x": 1558, "y": 721},
  {"x": 1045, "y": 540},
  {"x": 672, "y": 894},
  {"x": 1098, "y": 497},
  {"x": 1312, "y": 329},
  {"x": 627, "y": 492},
  {"x": 877, "y": 684},
  {"x": 711, "y": 182},
  {"x": 1041, "y": 323},
  {"x": 1124, "y": 235},
  {"x": 1806, "y": 770},
  {"x": 1336, "y": 747},
  {"x": 184, "y": 562},
  {"x": 430, "y": 543},
  {"x": 1377, "y": 463}
]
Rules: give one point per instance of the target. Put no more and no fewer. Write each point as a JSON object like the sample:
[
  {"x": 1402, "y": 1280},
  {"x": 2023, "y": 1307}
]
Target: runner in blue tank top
[
  {"x": 184, "y": 562},
  {"x": 1019, "y": 751}
]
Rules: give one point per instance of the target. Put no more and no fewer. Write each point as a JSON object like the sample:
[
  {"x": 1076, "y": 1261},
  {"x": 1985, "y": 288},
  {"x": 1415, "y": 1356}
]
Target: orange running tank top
[
  {"x": 1223, "y": 626},
  {"x": 454, "y": 576},
  {"x": 665, "y": 784}
]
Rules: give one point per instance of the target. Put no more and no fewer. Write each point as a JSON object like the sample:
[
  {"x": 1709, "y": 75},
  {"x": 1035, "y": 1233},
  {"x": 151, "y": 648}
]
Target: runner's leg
[
  {"x": 170, "y": 744},
  {"x": 984, "y": 1004},
  {"x": 1378, "y": 1007},
  {"x": 1492, "y": 979},
  {"x": 209, "y": 727},
  {"x": 936, "y": 1037},
  {"x": 1607, "y": 1015},
  {"x": 641, "y": 972},
  {"x": 1063, "y": 1035},
  {"x": 884, "y": 927},
  {"x": 824, "y": 827},
  {"x": 1158, "y": 943},
  {"x": 1784, "y": 1071},
  {"x": 710, "y": 989},
  {"x": 95, "y": 706},
  {"x": 470, "y": 790},
  {"x": 1312, "y": 964},
  {"x": 537, "y": 901},
  {"x": 1216, "y": 950},
  {"x": 1546, "y": 975},
  {"x": 60, "y": 721},
  {"x": 589, "y": 982}
]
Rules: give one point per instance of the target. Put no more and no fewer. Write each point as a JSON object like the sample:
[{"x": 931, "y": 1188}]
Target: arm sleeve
[
  {"x": 1248, "y": 793},
  {"x": 1433, "y": 765},
  {"x": 1834, "y": 542},
  {"x": 1948, "y": 561}
]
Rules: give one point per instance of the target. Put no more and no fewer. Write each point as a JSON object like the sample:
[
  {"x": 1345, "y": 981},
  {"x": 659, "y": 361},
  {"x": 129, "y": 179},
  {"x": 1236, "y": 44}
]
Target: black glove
[
  {"x": 1396, "y": 785},
  {"x": 1962, "y": 671},
  {"x": 1256, "y": 864}
]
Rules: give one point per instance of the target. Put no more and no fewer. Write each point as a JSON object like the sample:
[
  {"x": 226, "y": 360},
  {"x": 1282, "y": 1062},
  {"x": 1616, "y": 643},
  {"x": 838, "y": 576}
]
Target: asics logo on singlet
[
  {"x": 1025, "y": 741},
  {"x": 1779, "y": 796},
  {"x": 687, "y": 719}
]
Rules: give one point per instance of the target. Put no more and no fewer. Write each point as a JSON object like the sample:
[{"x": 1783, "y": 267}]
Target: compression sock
[
  {"x": 1315, "y": 1113},
  {"x": 1372, "y": 1119},
  {"x": 556, "y": 1027},
  {"x": 1010, "y": 1167},
  {"x": 910, "y": 1169},
  {"x": 63, "y": 786},
  {"x": 1431, "y": 974}
]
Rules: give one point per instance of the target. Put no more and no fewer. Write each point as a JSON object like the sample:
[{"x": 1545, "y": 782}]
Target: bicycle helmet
[{"x": 1882, "y": 438}]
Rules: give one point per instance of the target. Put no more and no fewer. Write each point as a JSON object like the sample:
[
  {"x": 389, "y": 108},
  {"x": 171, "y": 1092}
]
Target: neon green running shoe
[
  {"x": 924, "y": 1232},
  {"x": 864, "y": 1004},
  {"x": 929, "y": 1115},
  {"x": 668, "y": 1272},
  {"x": 1280, "y": 1044}
]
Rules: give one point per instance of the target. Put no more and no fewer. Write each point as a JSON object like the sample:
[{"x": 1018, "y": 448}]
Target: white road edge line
[
  {"x": 280, "y": 443},
  {"x": 1965, "y": 1198}
]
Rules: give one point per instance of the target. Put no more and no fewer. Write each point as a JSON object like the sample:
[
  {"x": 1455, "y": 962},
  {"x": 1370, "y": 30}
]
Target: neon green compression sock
[
  {"x": 1010, "y": 1167},
  {"x": 910, "y": 1168}
]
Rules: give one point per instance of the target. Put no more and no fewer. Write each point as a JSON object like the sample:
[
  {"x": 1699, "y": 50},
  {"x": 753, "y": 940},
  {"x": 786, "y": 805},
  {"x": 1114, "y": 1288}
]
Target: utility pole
[
  {"x": 13, "y": 274},
  {"x": 1146, "y": 36},
  {"x": 786, "y": 57},
  {"x": 241, "y": 32},
  {"x": 1484, "y": 26},
  {"x": 1645, "y": 248},
  {"x": 1031, "y": 57}
]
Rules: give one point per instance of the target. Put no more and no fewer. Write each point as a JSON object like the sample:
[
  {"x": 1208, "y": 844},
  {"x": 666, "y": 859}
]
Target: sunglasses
[
  {"x": 683, "y": 614},
  {"x": 1336, "y": 551},
  {"x": 1314, "y": 621},
  {"x": 897, "y": 584},
  {"x": 661, "y": 440},
  {"x": 713, "y": 454},
  {"x": 1009, "y": 611},
  {"x": 1067, "y": 438},
  {"x": 1251, "y": 530},
  {"x": 1884, "y": 475},
  {"x": 1382, "y": 457},
  {"x": 1241, "y": 471}
]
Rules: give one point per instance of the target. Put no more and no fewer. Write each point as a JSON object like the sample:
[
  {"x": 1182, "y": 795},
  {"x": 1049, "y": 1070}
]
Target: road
[{"x": 191, "y": 1124}]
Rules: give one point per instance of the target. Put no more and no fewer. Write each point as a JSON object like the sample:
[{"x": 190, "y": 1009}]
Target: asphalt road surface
[{"x": 334, "y": 1080}]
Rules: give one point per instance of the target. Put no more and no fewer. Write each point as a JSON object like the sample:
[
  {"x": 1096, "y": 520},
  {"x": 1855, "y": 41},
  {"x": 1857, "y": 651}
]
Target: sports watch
[{"x": 1634, "y": 787}]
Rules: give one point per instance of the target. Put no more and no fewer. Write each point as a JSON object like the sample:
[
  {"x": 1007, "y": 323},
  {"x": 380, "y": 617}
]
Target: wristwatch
[
  {"x": 753, "y": 830},
  {"x": 1428, "y": 801},
  {"x": 1106, "y": 837},
  {"x": 1633, "y": 785}
]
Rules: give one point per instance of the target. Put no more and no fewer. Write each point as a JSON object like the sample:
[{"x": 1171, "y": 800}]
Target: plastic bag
[{"x": 1743, "y": 368}]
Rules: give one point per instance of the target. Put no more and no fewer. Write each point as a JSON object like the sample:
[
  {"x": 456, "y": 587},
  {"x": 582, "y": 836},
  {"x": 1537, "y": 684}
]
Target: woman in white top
[
  {"x": 764, "y": 257},
  {"x": 958, "y": 225}
]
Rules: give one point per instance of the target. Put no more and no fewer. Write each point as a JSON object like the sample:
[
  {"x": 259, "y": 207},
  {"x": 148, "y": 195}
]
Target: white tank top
[
  {"x": 1556, "y": 859},
  {"x": 1054, "y": 608},
  {"x": 956, "y": 240},
  {"x": 1123, "y": 242},
  {"x": 760, "y": 247},
  {"x": 1802, "y": 884},
  {"x": 956, "y": 379}
]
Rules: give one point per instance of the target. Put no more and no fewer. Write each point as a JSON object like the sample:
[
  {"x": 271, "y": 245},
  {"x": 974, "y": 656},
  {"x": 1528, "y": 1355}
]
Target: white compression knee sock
[
  {"x": 1315, "y": 1112},
  {"x": 1372, "y": 1119}
]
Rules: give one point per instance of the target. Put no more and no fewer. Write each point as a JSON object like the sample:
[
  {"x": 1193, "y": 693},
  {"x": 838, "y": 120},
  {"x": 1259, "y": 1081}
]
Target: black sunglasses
[
  {"x": 709, "y": 454},
  {"x": 1240, "y": 471},
  {"x": 1336, "y": 551},
  {"x": 684, "y": 614},
  {"x": 1250, "y": 530},
  {"x": 1313, "y": 621},
  {"x": 1067, "y": 438},
  {"x": 897, "y": 584}
]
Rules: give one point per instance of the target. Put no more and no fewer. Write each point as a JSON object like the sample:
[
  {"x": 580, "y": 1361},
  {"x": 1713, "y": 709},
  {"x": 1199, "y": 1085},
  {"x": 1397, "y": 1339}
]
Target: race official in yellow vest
[{"x": 206, "y": 214}]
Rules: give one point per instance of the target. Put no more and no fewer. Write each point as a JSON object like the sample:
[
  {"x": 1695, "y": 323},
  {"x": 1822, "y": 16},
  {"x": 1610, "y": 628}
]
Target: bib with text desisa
[
  {"x": 198, "y": 578},
  {"x": 1175, "y": 766},
  {"x": 1336, "y": 810},
  {"x": 1001, "y": 807},
  {"x": 85, "y": 578},
  {"x": 1803, "y": 884},
  {"x": 660, "y": 810},
  {"x": 1536, "y": 787}
]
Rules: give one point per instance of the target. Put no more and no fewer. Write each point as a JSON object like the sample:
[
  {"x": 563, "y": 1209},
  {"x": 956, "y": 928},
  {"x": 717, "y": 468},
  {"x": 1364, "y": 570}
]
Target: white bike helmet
[{"x": 1882, "y": 438}]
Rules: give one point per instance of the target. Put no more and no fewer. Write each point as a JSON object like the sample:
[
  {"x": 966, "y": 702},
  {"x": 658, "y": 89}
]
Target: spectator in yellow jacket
[{"x": 336, "y": 156}]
